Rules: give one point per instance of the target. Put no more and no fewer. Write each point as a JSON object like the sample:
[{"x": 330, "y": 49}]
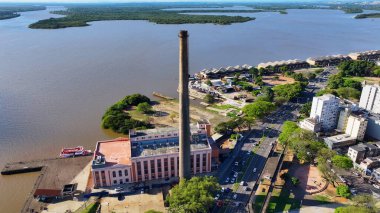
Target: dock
[
  {"x": 55, "y": 173},
  {"x": 157, "y": 94}
]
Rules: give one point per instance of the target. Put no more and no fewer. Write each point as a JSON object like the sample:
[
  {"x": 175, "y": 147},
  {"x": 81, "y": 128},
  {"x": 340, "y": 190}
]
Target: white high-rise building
[
  {"x": 370, "y": 98},
  {"x": 356, "y": 127},
  {"x": 325, "y": 110}
]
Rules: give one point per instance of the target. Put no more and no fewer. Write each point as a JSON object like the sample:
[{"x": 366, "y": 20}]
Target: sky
[{"x": 129, "y": 1}]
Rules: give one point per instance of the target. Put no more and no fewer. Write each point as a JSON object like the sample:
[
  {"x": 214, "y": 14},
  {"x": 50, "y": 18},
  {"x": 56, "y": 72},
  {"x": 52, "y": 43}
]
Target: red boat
[{"x": 73, "y": 152}]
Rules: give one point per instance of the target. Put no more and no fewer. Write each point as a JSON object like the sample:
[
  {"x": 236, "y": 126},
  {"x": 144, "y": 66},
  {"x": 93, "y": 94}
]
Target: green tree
[
  {"x": 343, "y": 162},
  {"x": 153, "y": 211},
  {"x": 356, "y": 68},
  {"x": 288, "y": 91},
  {"x": 209, "y": 99},
  {"x": 343, "y": 190},
  {"x": 326, "y": 91},
  {"x": 352, "y": 84},
  {"x": 335, "y": 81},
  {"x": 287, "y": 130},
  {"x": 268, "y": 92},
  {"x": 305, "y": 109},
  {"x": 325, "y": 154},
  {"x": 258, "y": 109},
  {"x": 311, "y": 76},
  {"x": 295, "y": 181},
  {"x": 348, "y": 93},
  {"x": 194, "y": 195},
  {"x": 144, "y": 108},
  {"x": 280, "y": 100},
  {"x": 376, "y": 71}
]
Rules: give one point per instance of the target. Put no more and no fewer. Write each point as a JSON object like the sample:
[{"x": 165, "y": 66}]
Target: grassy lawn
[
  {"x": 282, "y": 200},
  {"x": 138, "y": 115},
  {"x": 223, "y": 107},
  {"x": 90, "y": 208},
  {"x": 361, "y": 79},
  {"x": 322, "y": 198}
]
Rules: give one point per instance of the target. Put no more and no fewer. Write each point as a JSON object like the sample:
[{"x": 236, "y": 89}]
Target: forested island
[
  {"x": 7, "y": 12},
  {"x": 368, "y": 15},
  {"x": 80, "y": 16}
]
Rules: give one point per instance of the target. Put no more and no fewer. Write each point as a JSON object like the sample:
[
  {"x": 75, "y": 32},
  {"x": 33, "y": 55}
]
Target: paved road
[{"x": 270, "y": 127}]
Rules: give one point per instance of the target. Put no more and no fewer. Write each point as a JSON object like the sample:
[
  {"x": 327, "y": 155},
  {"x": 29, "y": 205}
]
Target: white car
[
  {"x": 222, "y": 190},
  {"x": 234, "y": 197},
  {"x": 119, "y": 189},
  {"x": 254, "y": 170},
  {"x": 235, "y": 175},
  {"x": 217, "y": 197},
  {"x": 376, "y": 186},
  {"x": 242, "y": 183},
  {"x": 227, "y": 180}
]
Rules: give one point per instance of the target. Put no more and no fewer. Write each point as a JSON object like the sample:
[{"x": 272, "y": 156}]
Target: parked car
[
  {"x": 235, "y": 175},
  {"x": 254, "y": 170},
  {"x": 217, "y": 197},
  {"x": 222, "y": 190},
  {"x": 242, "y": 183},
  {"x": 119, "y": 189},
  {"x": 234, "y": 197},
  {"x": 236, "y": 163},
  {"x": 227, "y": 180},
  {"x": 376, "y": 186},
  {"x": 232, "y": 180}
]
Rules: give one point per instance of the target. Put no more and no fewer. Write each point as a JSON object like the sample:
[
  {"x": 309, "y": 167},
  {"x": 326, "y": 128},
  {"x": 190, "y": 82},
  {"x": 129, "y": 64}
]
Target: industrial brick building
[{"x": 149, "y": 155}]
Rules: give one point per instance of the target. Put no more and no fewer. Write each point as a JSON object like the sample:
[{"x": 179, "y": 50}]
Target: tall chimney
[{"x": 184, "y": 120}]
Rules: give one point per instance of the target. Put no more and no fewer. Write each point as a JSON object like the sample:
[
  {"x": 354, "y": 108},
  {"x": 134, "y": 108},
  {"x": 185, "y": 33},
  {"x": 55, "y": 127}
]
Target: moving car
[{"x": 254, "y": 170}]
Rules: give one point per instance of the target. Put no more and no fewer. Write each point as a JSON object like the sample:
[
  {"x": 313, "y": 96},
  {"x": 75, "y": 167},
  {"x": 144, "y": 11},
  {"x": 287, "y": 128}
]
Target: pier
[{"x": 55, "y": 173}]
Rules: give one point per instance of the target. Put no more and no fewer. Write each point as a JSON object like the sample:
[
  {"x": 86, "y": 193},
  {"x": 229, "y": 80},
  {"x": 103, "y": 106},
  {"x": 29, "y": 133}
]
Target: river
[{"x": 55, "y": 84}]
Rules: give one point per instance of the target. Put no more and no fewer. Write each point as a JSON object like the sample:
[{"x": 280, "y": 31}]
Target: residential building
[
  {"x": 331, "y": 60},
  {"x": 343, "y": 119},
  {"x": 373, "y": 127},
  {"x": 370, "y": 98},
  {"x": 371, "y": 55},
  {"x": 289, "y": 64},
  {"x": 369, "y": 164},
  {"x": 310, "y": 124},
  {"x": 325, "y": 110},
  {"x": 361, "y": 151},
  {"x": 147, "y": 155},
  {"x": 339, "y": 141},
  {"x": 356, "y": 127}
]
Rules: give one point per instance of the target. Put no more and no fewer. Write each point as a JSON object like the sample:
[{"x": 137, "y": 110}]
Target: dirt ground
[
  {"x": 168, "y": 114},
  {"x": 282, "y": 80},
  {"x": 134, "y": 203},
  {"x": 309, "y": 177}
]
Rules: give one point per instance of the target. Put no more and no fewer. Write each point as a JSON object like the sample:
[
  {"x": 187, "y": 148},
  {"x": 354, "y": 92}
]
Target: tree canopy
[
  {"x": 356, "y": 68},
  {"x": 258, "y": 109},
  {"x": 287, "y": 130},
  {"x": 194, "y": 195},
  {"x": 343, "y": 190},
  {"x": 144, "y": 107},
  {"x": 289, "y": 91},
  {"x": 343, "y": 162},
  {"x": 117, "y": 119}
]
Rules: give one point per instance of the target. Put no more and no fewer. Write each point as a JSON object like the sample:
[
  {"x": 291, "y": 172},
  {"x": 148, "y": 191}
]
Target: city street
[{"x": 262, "y": 136}]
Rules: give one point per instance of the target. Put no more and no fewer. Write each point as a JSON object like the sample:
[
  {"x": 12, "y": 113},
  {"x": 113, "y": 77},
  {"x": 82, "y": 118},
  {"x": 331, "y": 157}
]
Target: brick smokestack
[{"x": 184, "y": 120}]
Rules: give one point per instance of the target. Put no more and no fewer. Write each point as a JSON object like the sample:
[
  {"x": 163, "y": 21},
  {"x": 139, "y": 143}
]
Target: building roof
[
  {"x": 116, "y": 151},
  {"x": 359, "y": 147},
  {"x": 328, "y": 57},
  {"x": 340, "y": 138},
  {"x": 47, "y": 192}
]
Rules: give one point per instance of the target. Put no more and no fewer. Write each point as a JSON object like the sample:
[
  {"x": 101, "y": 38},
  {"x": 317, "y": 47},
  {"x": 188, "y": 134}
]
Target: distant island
[
  {"x": 80, "y": 16},
  {"x": 368, "y": 15},
  {"x": 8, "y": 12}
]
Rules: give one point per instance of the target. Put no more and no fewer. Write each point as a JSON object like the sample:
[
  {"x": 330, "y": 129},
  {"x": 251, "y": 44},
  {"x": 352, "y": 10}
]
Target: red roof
[{"x": 47, "y": 192}]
